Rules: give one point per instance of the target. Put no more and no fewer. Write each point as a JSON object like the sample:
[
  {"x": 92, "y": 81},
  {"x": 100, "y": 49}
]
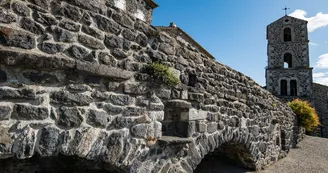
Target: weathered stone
[
  {"x": 156, "y": 106},
  {"x": 163, "y": 93},
  {"x": 78, "y": 52},
  {"x": 69, "y": 25},
  {"x": 94, "y": 32},
  {"x": 114, "y": 147},
  {"x": 28, "y": 112},
  {"x": 15, "y": 38},
  {"x": 98, "y": 119},
  {"x": 131, "y": 88},
  {"x": 113, "y": 41},
  {"x": 10, "y": 93},
  {"x": 96, "y": 151},
  {"x": 31, "y": 26},
  {"x": 6, "y": 16},
  {"x": 4, "y": 112},
  {"x": 113, "y": 110},
  {"x": 255, "y": 130},
  {"x": 35, "y": 61},
  {"x": 41, "y": 78},
  {"x": 107, "y": 59},
  {"x": 142, "y": 40},
  {"x": 70, "y": 142},
  {"x": 72, "y": 99},
  {"x": 119, "y": 53},
  {"x": 62, "y": 35},
  {"x": 123, "y": 20},
  {"x": 45, "y": 19},
  {"x": 140, "y": 130},
  {"x": 68, "y": 11},
  {"x": 21, "y": 9},
  {"x": 69, "y": 117},
  {"x": 201, "y": 126},
  {"x": 196, "y": 97},
  {"x": 212, "y": 127},
  {"x": 49, "y": 141},
  {"x": 121, "y": 100},
  {"x": 134, "y": 111},
  {"x": 97, "y": 6},
  {"x": 100, "y": 95},
  {"x": 52, "y": 48},
  {"x": 79, "y": 87},
  {"x": 41, "y": 3},
  {"x": 128, "y": 34},
  {"x": 103, "y": 70},
  {"x": 107, "y": 25},
  {"x": 90, "y": 42},
  {"x": 156, "y": 115},
  {"x": 24, "y": 144}
]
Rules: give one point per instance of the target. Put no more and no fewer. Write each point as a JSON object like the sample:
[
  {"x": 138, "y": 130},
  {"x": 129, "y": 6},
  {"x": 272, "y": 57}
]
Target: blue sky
[{"x": 234, "y": 32}]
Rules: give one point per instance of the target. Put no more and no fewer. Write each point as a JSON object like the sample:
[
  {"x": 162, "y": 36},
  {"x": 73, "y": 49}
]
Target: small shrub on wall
[
  {"x": 162, "y": 73},
  {"x": 308, "y": 118}
]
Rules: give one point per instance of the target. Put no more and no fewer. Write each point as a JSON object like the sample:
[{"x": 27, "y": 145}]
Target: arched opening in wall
[
  {"x": 287, "y": 35},
  {"x": 293, "y": 88},
  {"x": 288, "y": 60},
  {"x": 55, "y": 164},
  {"x": 283, "y": 87},
  {"x": 229, "y": 157}
]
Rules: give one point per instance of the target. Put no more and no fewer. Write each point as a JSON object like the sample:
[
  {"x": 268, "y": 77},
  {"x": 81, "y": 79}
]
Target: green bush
[
  {"x": 162, "y": 73},
  {"x": 308, "y": 117}
]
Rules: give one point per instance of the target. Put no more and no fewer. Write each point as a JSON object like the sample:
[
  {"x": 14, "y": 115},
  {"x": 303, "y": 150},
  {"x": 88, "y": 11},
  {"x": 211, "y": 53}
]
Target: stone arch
[
  {"x": 242, "y": 147},
  {"x": 288, "y": 60}
]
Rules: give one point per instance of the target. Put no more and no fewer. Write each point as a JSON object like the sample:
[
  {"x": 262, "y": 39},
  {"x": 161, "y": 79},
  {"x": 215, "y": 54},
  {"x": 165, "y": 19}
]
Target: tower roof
[{"x": 288, "y": 17}]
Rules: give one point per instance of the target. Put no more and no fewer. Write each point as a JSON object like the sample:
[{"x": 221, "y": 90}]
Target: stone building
[{"x": 288, "y": 74}]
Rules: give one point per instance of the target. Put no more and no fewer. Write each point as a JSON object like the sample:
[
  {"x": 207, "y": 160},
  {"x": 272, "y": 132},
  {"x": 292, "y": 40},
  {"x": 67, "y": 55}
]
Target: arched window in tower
[
  {"x": 288, "y": 60},
  {"x": 293, "y": 88},
  {"x": 287, "y": 34},
  {"x": 283, "y": 87}
]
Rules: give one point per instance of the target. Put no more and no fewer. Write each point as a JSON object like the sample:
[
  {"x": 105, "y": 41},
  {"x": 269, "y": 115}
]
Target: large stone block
[
  {"x": 107, "y": 25},
  {"x": 16, "y": 38},
  {"x": 49, "y": 141},
  {"x": 98, "y": 118},
  {"x": 121, "y": 100},
  {"x": 24, "y": 144},
  {"x": 28, "y": 112},
  {"x": 90, "y": 42},
  {"x": 73, "y": 99},
  {"x": 193, "y": 114},
  {"x": 5, "y": 111},
  {"x": 6, "y": 16},
  {"x": 69, "y": 117}
]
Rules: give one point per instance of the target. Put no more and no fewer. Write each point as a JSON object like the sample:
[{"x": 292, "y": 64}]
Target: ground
[{"x": 310, "y": 156}]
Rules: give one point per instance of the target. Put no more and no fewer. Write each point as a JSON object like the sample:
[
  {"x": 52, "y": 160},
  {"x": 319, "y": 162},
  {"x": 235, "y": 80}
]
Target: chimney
[{"x": 173, "y": 25}]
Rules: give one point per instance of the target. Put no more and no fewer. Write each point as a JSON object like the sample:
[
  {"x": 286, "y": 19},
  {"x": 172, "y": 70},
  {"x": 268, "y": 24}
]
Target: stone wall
[
  {"x": 320, "y": 97},
  {"x": 72, "y": 81}
]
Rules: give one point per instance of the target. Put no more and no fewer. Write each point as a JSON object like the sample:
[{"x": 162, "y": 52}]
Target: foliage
[
  {"x": 161, "y": 72},
  {"x": 308, "y": 117}
]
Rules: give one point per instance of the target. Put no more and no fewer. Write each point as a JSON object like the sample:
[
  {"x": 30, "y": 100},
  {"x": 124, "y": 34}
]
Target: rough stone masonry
[{"x": 72, "y": 84}]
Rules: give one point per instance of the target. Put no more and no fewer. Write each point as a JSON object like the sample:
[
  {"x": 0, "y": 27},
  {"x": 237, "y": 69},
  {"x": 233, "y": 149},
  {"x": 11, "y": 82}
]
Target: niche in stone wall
[
  {"x": 283, "y": 87},
  {"x": 176, "y": 120},
  {"x": 287, "y": 35}
]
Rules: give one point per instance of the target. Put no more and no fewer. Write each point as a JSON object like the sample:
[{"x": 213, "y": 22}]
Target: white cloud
[
  {"x": 322, "y": 61},
  {"x": 318, "y": 21},
  {"x": 313, "y": 44},
  {"x": 320, "y": 74},
  {"x": 321, "y": 78}
]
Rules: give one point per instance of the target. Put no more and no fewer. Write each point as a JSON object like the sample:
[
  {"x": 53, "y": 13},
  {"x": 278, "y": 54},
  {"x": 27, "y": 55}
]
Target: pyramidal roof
[{"x": 287, "y": 17}]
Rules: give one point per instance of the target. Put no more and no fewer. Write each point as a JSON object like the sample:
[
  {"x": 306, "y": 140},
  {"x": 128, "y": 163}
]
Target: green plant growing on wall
[
  {"x": 162, "y": 73},
  {"x": 308, "y": 118}
]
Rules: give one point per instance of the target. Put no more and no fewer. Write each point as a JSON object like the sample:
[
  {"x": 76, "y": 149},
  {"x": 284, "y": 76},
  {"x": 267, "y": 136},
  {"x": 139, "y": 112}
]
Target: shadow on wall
[
  {"x": 57, "y": 164},
  {"x": 230, "y": 157}
]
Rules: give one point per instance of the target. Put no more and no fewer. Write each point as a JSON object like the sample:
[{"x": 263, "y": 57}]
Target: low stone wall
[
  {"x": 320, "y": 96},
  {"x": 72, "y": 81}
]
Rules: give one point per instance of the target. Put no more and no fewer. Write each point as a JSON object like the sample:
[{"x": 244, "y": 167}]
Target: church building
[{"x": 289, "y": 74}]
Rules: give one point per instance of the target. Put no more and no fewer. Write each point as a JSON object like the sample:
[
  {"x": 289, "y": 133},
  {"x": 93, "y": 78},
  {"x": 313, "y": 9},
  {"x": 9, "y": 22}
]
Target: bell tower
[{"x": 288, "y": 74}]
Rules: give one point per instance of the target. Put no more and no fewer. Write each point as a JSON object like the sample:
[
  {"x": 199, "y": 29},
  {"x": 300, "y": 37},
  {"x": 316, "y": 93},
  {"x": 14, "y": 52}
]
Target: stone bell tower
[{"x": 288, "y": 74}]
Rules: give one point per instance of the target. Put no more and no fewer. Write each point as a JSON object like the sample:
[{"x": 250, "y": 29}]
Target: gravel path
[{"x": 310, "y": 156}]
